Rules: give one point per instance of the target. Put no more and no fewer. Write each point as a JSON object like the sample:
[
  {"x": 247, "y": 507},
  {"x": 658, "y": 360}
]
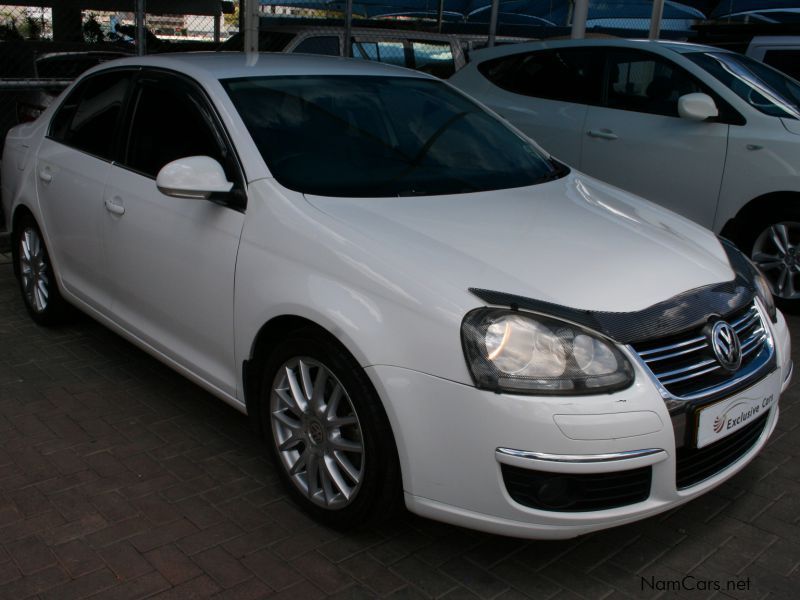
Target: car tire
[
  {"x": 327, "y": 432},
  {"x": 36, "y": 276},
  {"x": 772, "y": 242}
]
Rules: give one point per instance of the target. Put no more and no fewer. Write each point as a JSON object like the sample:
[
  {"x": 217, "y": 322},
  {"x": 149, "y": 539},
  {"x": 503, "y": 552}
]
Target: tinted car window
[
  {"x": 787, "y": 61},
  {"x": 571, "y": 75},
  {"x": 642, "y": 82},
  {"x": 435, "y": 58},
  {"x": 382, "y": 136},
  {"x": 392, "y": 53},
  {"x": 87, "y": 119},
  {"x": 327, "y": 45},
  {"x": 168, "y": 124}
]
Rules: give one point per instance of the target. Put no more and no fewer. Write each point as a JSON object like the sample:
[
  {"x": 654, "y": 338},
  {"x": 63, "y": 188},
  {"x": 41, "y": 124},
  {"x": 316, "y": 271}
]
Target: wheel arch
[
  {"x": 736, "y": 227},
  {"x": 270, "y": 333}
]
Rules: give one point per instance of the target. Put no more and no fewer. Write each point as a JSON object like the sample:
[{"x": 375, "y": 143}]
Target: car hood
[{"x": 576, "y": 242}]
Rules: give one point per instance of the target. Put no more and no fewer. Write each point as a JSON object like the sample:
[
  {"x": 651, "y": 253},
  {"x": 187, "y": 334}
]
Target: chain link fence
[{"x": 45, "y": 44}]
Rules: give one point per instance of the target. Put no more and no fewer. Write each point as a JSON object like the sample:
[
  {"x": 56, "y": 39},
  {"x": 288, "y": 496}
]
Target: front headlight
[
  {"x": 525, "y": 353},
  {"x": 764, "y": 293}
]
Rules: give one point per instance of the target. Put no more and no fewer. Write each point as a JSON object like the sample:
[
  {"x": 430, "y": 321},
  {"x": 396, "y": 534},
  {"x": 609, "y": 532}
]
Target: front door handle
[
  {"x": 603, "y": 134},
  {"x": 115, "y": 207},
  {"x": 45, "y": 175}
]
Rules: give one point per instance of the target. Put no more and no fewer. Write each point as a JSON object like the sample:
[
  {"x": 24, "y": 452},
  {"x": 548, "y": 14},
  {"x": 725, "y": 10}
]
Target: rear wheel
[
  {"x": 37, "y": 279},
  {"x": 328, "y": 433},
  {"x": 773, "y": 244}
]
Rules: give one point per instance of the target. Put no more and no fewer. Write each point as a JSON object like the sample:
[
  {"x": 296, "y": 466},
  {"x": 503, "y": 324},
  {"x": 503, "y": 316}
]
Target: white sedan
[{"x": 409, "y": 298}]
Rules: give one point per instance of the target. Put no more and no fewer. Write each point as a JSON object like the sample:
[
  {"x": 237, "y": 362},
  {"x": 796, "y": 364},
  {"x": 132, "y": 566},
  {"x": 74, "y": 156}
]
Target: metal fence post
[
  {"x": 251, "y": 27},
  {"x": 580, "y": 14},
  {"x": 493, "y": 23},
  {"x": 141, "y": 39},
  {"x": 348, "y": 29},
  {"x": 655, "y": 19},
  {"x": 440, "y": 16}
]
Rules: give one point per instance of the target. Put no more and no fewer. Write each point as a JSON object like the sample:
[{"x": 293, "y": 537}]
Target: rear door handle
[
  {"x": 114, "y": 206},
  {"x": 45, "y": 175},
  {"x": 603, "y": 134}
]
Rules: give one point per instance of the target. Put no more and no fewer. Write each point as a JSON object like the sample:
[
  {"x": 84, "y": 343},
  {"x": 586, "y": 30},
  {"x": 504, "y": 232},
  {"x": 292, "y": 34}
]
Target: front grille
[
  {"x": 686, "y": 367},
  {"x": 568, "y": 492},
  {"x": 694, "y": 465}
]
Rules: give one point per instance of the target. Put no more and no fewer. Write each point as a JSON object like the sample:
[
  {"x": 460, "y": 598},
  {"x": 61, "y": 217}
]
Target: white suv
[{"x": 708, "y": 133}]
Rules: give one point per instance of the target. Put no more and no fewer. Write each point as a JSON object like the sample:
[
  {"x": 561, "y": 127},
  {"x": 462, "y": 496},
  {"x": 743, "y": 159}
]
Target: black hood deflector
[{"x": 684, "y": 312}]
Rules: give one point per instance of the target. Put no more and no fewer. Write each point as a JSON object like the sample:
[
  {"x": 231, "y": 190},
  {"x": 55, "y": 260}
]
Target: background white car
[
  {"x": 407, "y": 297},
  {"x": 708, "y": 133}
]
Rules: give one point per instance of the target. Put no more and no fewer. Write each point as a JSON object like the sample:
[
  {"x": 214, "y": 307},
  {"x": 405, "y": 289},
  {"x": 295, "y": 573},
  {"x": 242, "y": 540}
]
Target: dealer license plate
[{"x": 723, "y": 418}]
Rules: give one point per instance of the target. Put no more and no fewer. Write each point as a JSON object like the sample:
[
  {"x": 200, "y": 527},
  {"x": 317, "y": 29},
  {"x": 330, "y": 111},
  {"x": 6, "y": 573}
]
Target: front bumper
[{"x": 448, "y": 435}]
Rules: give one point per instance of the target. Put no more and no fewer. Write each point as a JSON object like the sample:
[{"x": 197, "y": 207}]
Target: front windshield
[
  {"x": 762, "y": 87},
  {"x": 367, "y": 136}
]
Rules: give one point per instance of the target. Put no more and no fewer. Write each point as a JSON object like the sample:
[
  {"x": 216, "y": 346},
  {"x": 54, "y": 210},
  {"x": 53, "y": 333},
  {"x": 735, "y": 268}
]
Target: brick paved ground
[{"x": 119, "y": 479}]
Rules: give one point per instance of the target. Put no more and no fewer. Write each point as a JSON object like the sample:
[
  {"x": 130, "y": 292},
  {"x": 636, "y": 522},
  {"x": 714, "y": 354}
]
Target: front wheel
[{"x": 328, "y": 433}]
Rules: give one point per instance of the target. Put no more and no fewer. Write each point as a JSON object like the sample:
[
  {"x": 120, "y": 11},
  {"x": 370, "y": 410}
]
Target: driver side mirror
[
  {"x": 697, "y": 107},
  {"x": 193, "y": 177}
]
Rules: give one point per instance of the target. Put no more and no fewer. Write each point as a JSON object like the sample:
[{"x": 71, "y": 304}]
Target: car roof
[
  {"x": 679, "y": 47},
  {"x": 228, "y": 65}
]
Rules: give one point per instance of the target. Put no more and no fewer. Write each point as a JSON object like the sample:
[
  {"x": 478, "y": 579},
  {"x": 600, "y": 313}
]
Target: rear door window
[
  {"x": 88, "y": 118},
  {"x": 566, "y": 74}
]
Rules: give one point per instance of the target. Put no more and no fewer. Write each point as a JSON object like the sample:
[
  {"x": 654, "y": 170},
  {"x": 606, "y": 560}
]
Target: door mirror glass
[
  {"x": 697, "y": 107},
  {"x": 193, "y": 177}
]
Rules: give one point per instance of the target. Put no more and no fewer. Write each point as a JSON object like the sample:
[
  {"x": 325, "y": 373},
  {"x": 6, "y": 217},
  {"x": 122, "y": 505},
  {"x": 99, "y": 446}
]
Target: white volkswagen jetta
[{"x": 408, "y": 297}]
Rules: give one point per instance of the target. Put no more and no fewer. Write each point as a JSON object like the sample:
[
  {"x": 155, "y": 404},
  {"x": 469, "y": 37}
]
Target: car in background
[
  {"x": 437, "y": 54},
  {"x": 708, "y": 133},
  {"x": 772, "y": 16},
  {"x": 779, "y": 51},
  {"x": 58, "y": 69},
  {"x": 411, "y": 301}
]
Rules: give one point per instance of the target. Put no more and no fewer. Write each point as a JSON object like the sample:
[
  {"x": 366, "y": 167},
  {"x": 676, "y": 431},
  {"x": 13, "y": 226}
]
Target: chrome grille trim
[
  {"x": 702, "y": 346},
  {"x": 690, "y": 376},
  {"x": 671, "y": 347},
  {"x": 757, "y": 351}
]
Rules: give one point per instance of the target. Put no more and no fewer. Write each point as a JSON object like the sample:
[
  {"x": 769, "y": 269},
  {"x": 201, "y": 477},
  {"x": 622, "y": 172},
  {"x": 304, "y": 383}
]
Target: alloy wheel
[
  {"x": 776, "y": 252},
  {"x": 317, "y": 433},
  {"x": 34, "y": 269}
]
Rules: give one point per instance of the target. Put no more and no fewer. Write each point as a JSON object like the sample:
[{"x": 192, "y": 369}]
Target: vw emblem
[{"x": 726, "y": 346}]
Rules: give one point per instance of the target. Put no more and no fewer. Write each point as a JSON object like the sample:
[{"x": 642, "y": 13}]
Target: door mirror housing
[
  {"x": 697, "y": 107},
  {"x": 193, "y": 177}
]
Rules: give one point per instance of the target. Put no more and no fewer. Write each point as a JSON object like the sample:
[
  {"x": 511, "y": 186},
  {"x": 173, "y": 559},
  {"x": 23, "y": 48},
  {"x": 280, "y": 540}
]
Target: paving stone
[{"x": 173, "y": 564}]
